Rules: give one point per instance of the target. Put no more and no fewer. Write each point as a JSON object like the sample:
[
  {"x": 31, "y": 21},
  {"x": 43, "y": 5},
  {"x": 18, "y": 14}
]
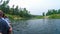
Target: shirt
[
  {"x": 7, "y": 20},
  {"x": 4, "y": 28}
]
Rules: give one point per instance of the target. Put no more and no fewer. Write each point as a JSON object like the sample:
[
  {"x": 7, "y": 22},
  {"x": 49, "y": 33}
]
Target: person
[
  {"x": 4, "y": 28},
  {"x": 5, "y": 18}
]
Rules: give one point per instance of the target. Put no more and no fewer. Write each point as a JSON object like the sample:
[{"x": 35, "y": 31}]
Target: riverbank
[
  {"x": 54, "y": 16},
  {"x": 14, "y": 16}
]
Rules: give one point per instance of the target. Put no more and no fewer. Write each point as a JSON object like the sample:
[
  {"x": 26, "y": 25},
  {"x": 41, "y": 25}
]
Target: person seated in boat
[
  {"x": 4, "y": 28},
  {"x": 5, "y": 18}
]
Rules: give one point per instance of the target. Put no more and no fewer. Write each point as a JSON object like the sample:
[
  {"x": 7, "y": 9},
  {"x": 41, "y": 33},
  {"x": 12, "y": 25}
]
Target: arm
[{"x": 9, "y": 22}]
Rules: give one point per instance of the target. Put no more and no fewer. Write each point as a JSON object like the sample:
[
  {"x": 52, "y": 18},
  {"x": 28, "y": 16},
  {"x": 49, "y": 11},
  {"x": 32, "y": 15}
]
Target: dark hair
[{"x": 3, "y": 15}]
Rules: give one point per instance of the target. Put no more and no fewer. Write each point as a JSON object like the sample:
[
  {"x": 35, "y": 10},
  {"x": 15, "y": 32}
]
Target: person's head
[{"x": 1, "y": 13}]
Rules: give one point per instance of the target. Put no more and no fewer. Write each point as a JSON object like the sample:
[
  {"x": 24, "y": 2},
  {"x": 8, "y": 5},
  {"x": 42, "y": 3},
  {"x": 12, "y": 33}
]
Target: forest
[
  {"x": 53, "y": 11},
  {"x": 22, "y": 12},
  {"x": 54, "y": 14}
]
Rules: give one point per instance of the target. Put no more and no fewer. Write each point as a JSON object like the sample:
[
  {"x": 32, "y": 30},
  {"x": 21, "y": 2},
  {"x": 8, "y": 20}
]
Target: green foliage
[
  {"x": 37, "y": 17},
  {"x": 55, "y": 16},
  {"x": 43, "y": 14},
  {"x": 49, "y": 12},
  {"x": 53, "y": 11},
  {"x": 59, "y": 11},
  {"x": 23, "y": 12}
]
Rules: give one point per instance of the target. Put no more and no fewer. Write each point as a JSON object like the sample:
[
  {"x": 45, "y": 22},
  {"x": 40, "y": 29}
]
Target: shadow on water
[{"x": 37, "y": 26}]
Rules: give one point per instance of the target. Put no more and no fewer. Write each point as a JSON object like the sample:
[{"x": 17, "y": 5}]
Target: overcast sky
[{"x": 36, "y": 7}]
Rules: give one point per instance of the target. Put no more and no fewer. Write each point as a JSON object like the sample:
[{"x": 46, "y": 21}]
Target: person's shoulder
[{"x": 2, "y": 21}]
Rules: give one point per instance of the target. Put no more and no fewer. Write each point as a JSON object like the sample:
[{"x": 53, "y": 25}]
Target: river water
[{"x": 36, "y": 26}]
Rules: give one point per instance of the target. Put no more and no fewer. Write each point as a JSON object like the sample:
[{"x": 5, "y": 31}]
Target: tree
[
  {"x": 13, "y": 11},
  {"x": 49, "y": 12},
  {"x": 16, "y": 10},
  {"x": 43, "y": 13},
  {"x": 54, "y": 11},
  {"x": 3, "y": 5},
  {"x": 58, "y": 11}
]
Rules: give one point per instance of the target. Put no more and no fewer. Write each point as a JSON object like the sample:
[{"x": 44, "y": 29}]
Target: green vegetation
[
  {"x": 23, "y": 13},
  {"x": 14, "y": 16},
  {"x": 53, "y": 11},
  {"x": 54, "y": 14},
  {"x": 43, "y": 14},
  {"x": 37, "y": 16},
  {"x": 14, "y": 12}
]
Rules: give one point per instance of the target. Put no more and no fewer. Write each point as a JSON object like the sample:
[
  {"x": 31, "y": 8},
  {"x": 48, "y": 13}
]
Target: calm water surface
[{"x": 37, "y": 26}]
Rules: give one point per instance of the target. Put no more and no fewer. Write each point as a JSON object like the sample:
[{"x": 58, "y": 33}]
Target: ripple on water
[{"x": 39, "y": 26}]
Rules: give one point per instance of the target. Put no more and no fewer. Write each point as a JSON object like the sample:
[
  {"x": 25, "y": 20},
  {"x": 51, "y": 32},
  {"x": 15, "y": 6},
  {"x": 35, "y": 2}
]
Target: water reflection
[{"x": 38, "y": 26}]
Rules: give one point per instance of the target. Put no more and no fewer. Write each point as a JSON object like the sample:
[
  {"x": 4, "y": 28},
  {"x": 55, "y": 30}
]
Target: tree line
[
  {"x": 51, "y": 12},
  {"x": 22, "y": 12}
]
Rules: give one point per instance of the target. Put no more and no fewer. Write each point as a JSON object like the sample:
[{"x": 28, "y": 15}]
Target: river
[{"x": 36, "y": 26}]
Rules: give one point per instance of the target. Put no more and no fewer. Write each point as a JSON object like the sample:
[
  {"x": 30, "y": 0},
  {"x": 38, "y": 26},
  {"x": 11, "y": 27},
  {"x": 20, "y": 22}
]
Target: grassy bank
[
  {"x": 55, "y": 16},
  {"x": 14, "y": 16},
  {"x": 39, "y": 17}
]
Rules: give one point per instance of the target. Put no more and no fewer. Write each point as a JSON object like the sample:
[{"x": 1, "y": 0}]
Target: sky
[{"x": 36, "y": 7}]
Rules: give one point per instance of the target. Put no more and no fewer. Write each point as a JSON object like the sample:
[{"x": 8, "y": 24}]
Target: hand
[{"x": 10, "y": 30}]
